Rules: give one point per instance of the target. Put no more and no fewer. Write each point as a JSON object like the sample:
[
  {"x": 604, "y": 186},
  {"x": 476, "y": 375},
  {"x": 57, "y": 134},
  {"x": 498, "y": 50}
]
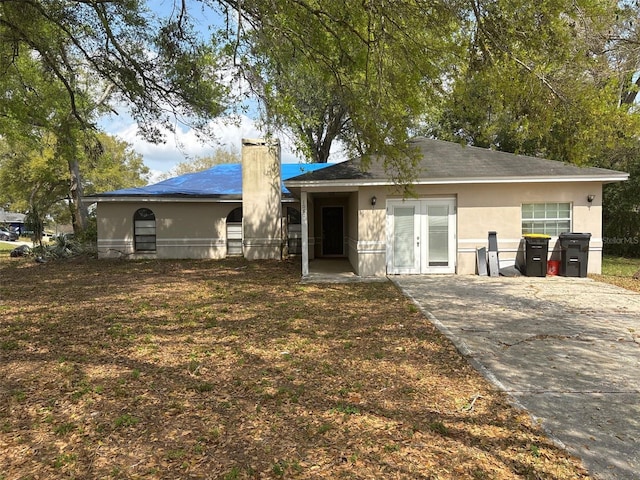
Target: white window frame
[
  {"x": 144, "y": 231},
  {"x": 549, "y": 222},
  {"x": 294, "y": 232},
  {"x": 235, "y": 235}
]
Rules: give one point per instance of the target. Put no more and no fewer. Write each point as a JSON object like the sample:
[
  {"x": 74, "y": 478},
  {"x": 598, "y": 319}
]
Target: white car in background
[{"x": 8, "y": 235}]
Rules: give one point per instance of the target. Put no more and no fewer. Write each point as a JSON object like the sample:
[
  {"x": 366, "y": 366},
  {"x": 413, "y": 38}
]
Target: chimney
[{"x": 261, "y": 199}]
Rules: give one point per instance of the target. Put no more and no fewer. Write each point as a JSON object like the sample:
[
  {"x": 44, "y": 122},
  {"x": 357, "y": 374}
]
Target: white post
[{"x": 305, "y": 233}]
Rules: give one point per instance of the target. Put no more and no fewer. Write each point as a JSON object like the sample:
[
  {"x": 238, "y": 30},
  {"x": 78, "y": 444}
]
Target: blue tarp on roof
[{"x": 225, "y": 179}]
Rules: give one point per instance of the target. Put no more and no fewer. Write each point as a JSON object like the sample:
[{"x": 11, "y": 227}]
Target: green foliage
[
  {"x": 65, "y": 459},
  {"x": 99, "y": 50},
  {"x": 32, "y": 179},
  {"x": 9, "y": 345},
  {"x": 618, "y": 147},
  {"x": 621, "y": 215},
  {"x": 65, "y": 428},
  {"x": 553, "y": 78},
  {"x": 232, "y": 474},
  {"x": 535, "y": 450},
  {"x": 89, "y": 237},
  {"x": 347, "y": 409},
  {"x": 359, "y": 72},
  {"x": 63, "y": 247},
  {"x": 438, "y": 427},
  {"x": 324, "y": 428},
  {"x": 111, "y": 164},
  {"x": 34, "y": 222},
  {"x": 556, "y": 80},
  {"x": 278, "y": 469},
  {"x": 532, "y": 81},
  {"x": 62, "y": 63}
]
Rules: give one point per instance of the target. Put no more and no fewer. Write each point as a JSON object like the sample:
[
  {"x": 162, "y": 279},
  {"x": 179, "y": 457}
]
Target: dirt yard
[{"x": 235, "y": 370}]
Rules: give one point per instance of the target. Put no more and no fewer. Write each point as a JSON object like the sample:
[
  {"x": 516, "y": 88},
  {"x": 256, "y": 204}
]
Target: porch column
[{"x": 304, "y": 212}]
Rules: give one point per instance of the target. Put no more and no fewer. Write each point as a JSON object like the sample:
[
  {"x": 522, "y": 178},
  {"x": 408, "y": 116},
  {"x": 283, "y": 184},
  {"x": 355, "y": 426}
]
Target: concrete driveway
[{"x": 566, "y": 349}]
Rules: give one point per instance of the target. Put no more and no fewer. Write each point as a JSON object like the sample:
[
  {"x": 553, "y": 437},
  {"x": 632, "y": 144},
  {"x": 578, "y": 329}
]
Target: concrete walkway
[
  {"x": 335, "y": 270},
  {"x": 566, "y": 349}
]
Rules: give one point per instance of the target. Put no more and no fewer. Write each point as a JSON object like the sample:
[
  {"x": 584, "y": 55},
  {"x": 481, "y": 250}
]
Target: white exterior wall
[
  {"x": 183, "y": 229},
  {"x": 197, "y": 229},
  {"x": 482, "y": 208}
]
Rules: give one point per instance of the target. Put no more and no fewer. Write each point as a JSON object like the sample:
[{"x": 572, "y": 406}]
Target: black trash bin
[
  {"x": 536, "y": 251},
  {"x": 574, "y": 254}
]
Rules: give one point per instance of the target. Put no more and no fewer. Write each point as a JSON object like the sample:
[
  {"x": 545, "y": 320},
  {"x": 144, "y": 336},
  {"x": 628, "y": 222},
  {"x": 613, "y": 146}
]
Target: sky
[{"x": 183, "y": 144}]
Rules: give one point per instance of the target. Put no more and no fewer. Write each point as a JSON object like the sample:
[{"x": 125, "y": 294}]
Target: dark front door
[{"x": 332, "y": 230}]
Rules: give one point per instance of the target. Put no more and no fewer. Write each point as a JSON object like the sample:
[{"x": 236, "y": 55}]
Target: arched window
[
  {"x": 144, "y": 221},
  {"x": 235, "y": 216},
  {"x": 234, "y": 232}
]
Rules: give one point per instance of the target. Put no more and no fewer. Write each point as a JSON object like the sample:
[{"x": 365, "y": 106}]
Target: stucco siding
[
  {"x": 487, "y": 207},
  {"x": 261, "y": 197},
  {"x": 183, "y": 229},
  {"x": 197, "y": 229},
  {"x": 371, "y": 239},
  {"x": 484, "y": 208}
]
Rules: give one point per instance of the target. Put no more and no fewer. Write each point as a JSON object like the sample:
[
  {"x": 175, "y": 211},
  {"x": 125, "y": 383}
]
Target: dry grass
[{"x": 231, "y": 370}]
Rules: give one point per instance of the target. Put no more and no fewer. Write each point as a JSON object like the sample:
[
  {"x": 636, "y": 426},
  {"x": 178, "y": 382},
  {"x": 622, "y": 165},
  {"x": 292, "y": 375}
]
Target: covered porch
[{"x": 344, "y": 224}]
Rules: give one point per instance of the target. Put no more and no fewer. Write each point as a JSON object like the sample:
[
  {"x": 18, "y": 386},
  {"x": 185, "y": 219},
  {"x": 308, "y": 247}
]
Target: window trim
[
  {"x": 233, "y": 227},
  {"x": 294, "y": 230},
  {"x": 557, "y": 220},
  {"x": 148, "y": 237}
]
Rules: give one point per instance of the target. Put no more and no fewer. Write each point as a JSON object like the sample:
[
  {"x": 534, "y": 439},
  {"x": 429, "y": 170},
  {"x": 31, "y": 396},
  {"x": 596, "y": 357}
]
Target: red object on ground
[{"x": 553, "y": 267}]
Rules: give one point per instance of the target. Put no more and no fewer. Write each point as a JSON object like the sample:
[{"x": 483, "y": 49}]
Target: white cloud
[{"x": 184, "y": 143}]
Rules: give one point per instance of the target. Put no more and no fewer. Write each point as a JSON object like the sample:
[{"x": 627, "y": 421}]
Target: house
[
  {"x": 265, "y": 209},
  {"x": 11, "y": 219},
  {"x": 205, "y": 214}
]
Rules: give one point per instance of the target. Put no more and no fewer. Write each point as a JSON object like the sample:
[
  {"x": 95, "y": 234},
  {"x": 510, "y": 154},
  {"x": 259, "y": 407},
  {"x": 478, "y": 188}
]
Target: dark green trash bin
[
  {"x": 574, "y": 254},
  {"x": 535, "y": 253}
]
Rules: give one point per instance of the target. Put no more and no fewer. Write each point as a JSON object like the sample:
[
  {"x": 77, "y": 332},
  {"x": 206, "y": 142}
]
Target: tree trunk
[
  {"x": 629, "y": 89},
  {"x": 68, "y": 149},
  {"x": 322, "y": 136},
  {"x": 79, "y": 212}
]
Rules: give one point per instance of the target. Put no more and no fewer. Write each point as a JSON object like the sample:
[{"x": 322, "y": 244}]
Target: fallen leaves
[{"x": 228, "y": 369}]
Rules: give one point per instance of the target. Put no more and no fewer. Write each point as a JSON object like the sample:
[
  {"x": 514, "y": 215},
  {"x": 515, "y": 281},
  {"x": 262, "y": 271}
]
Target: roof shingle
[{"x": 447, "y": 161}]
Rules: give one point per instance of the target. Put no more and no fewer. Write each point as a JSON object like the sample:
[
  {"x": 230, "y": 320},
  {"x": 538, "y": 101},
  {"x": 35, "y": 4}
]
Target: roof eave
[
  {"x": 161, "y": 198},
  {"x": 286, "y": 197},
  {"x": 469, "y": 180}
]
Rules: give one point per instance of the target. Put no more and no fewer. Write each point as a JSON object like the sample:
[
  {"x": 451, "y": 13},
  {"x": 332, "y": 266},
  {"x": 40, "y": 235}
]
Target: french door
[{"x": 421, "y": 236}]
